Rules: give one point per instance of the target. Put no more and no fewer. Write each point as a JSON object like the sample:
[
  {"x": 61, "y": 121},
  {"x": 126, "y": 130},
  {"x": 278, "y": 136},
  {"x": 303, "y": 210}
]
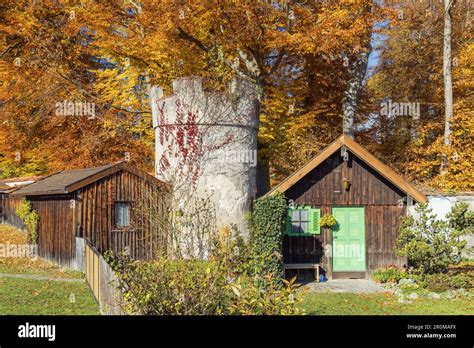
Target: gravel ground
[{"x": 356, "y": 286}]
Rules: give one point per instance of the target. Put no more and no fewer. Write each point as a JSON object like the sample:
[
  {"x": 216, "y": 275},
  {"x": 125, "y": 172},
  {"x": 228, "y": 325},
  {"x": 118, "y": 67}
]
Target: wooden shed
[
  {"x": 99, "y": 204},
  {"x": 365, "y": 196}
]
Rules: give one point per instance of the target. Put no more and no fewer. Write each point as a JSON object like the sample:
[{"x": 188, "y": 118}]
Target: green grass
[
  {"x": 382, "y": 304},
  {"x": 39, "y": 267},
  {"x": 20, "y": 296}
]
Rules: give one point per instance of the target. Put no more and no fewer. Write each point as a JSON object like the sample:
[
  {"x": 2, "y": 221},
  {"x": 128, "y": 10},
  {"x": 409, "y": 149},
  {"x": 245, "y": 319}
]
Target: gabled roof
[
  {"x": 68, "y": 181},
  {"x": 360, "y": 152}
]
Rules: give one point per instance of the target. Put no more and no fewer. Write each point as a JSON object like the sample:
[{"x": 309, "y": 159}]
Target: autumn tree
[{"x": 410, "y": 70}]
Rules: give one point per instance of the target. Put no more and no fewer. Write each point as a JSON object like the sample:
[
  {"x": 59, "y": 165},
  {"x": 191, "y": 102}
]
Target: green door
[{"x": 349, "y": 240}]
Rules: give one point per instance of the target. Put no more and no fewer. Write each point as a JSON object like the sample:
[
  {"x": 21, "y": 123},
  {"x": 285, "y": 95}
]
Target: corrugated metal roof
[{"x": 58, "y": 182}]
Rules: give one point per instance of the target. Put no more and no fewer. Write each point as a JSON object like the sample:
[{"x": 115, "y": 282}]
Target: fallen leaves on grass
[{"x": 12, "y": 235}]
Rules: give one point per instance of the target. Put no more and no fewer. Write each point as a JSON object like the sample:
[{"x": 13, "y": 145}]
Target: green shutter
[{"x": 314, "y": 216}]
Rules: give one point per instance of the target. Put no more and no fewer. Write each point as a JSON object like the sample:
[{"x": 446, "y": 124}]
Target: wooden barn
[
  {"x": 111, "y": 206},
  {"x": 366, "y": 197}
]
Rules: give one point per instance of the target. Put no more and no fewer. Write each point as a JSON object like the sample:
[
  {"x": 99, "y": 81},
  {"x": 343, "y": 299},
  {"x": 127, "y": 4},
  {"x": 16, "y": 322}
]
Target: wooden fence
[{"x": 102, "y": 281}]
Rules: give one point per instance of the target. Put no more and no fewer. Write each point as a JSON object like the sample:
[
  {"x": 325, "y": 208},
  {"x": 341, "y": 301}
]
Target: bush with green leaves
[
  {"x": 389, "y": 274},
  {"x": 266, "y": 237},
  {"x": 460, "y": 281},
  {"x": 248, "y": 299},
  {"x": 197, "y": 287},
  {"x": 239, "y": 278},
  {"x": 432, "y": 245},
  {"x": 30, "y": 219},
  {"x": 437, "y": 282},
  {"x": 461, "y": 219},
  {"x": 160, "y": 287}
]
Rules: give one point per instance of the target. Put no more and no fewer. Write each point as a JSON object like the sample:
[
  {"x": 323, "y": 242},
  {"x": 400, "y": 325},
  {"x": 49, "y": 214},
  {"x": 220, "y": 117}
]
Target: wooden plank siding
[
  {"x": 97, "y": 202},
  {"x": 55, "y": 238},
  {"x": 89, "y": 213},
  {"x": 8, "y": 206},
  {"x": 323, "y": 188}
]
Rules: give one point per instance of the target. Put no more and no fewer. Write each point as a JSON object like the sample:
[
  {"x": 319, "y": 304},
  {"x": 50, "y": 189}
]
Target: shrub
[
  {"x": 248, "y": 299},
  {"x": 30, "y": 218},
  {"x": 388, "y": 275},
  {"x": 437, "y": 282},
  {"x": 431, "y": 245},
  {"x": 419, "y": 279},
  {"x": 460, "y": 281},
  {"x": 266, "y": 238},
  {"x": 163, "y": 286},
  {"x": 461, "y": 219},
  {"x": 231, "y": 251},
  {"x": 195, "y": 287}
]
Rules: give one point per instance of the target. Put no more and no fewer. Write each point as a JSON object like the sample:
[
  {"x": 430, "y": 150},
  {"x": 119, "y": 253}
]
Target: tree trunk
[
  {"x": 357, "y": 70},
  {"x": 448, "y": 84}
]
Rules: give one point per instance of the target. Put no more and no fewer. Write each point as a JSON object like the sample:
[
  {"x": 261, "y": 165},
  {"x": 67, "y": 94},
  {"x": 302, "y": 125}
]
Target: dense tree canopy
[{"x": 298, "y": 54}]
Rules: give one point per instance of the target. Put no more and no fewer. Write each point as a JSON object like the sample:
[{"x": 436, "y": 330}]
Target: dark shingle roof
[{"x": 57, "y": 183}]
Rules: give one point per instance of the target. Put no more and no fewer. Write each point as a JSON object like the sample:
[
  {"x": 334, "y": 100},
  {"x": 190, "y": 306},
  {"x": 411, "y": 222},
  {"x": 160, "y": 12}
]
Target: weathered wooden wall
[
  {"x": 96, "y": 217},
  {"x": 323, "y": 188},
  {"x": 89, "y": 213},
  {"x": 8, "y": 205},
  {"x": 55, "y": 229}
]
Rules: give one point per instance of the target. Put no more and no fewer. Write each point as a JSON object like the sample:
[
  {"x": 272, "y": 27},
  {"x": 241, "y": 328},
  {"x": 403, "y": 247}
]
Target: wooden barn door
[{"x": 349, "y": 240}]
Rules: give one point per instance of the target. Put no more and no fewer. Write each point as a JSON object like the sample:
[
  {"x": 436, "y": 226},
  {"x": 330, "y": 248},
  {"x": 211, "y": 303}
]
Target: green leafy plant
[
  {"x": 437, "y": 282},
  {"x": 161, "y": 287},
  {"x": 460, "y": 281},
  {"x": 389, "y": 275},
  {"x": 248, "y": 299},
  {"x": 30, "y": 218},
  {"x": 197, "y": 287},
  {"x": 240, "y": 277},
  {"x": 327, "y": 221},
  {"x": 266, "y": 238},
  {"x": 431, "y": 245}
]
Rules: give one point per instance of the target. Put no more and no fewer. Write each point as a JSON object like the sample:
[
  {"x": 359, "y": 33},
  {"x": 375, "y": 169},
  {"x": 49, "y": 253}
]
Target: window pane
[
  {"x": 304, "y": 215},
  {"x": 295, "y": 215},
  {"x": 126, "y": 214},
  {"x": 122, "y": 214},
  {"x": 304, "y": 227},
  {"x": 118, "y": 214},
  {"x": 295, "y": 227}
]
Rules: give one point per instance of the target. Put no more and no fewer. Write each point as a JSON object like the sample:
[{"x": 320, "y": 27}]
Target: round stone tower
[{"x": 206, "y": 148}]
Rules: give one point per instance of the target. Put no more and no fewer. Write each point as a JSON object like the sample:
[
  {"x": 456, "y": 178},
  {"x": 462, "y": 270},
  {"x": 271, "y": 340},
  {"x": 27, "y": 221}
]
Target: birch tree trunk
[
  {"x": 448, "y": 84},
  {"x": 357, "y": 70}
]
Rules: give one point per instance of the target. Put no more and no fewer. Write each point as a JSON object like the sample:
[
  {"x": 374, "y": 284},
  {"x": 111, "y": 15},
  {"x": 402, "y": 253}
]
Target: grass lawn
[
  {"x": 382, "y": 304},
  {"x": 40, "y": 297},
  {"x": 21, "y": 296}
]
